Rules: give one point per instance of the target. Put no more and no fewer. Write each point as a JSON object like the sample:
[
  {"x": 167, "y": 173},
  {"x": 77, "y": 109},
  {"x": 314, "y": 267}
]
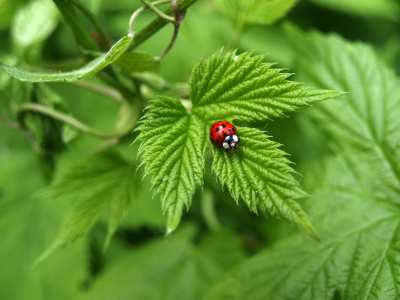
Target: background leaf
[
  {"x": 170, "y": 269},
  {"x": 34, "y": 22},
  {"x": 27, "y": 225},
  {"x": 104, "y": 181},
  {"x": 357, "y": 258},
  {"x": 368, "y": 115},
  {"x": 385, "y": 9},
  {"x": 266, "y": 12}
]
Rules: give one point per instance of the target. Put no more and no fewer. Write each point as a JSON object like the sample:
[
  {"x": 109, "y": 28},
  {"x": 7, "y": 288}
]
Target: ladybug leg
[{"x": 226, "y": 150}]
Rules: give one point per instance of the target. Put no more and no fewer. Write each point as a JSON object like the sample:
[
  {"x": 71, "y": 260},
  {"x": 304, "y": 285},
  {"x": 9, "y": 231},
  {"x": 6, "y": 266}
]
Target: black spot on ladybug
[
  {"x": 217, "y": 130},
  {"x": 223, "y": 125},
  {"x": 230, "y": 129}
]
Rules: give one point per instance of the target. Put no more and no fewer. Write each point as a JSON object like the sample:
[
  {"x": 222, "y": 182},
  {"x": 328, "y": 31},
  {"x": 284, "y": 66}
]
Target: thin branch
[
  {"x": 100, "y": 89},
  {"x": 63, "y": 118},
  {"x": 137, "y": 13},
  {"x": 158, "y": 24},
  {"x": 178, "y": 19},
  {"x": 158, "y": 12}
]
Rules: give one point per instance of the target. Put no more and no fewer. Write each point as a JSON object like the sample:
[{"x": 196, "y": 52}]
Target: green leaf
[
  {"x": 169, "y": 269},
  {"x": 172, "y": 149},
  {"x": 173, "y": 141},
  {"x": 91, "y": 68},
  {"x": 243, "y": 87},
  {"x": 260, "y": 174},
  {"x": 369, "y": 115},
  {"x": 34, "y": 23},
  {"x": 264, "y": 12},
  {"x": 386, "y": 9},
  {"x": 132, "y": 62},
  {"x": 27, "y": 226},
  {"x": 102, "y": 182},
  {"x": 359, "y": 254}
]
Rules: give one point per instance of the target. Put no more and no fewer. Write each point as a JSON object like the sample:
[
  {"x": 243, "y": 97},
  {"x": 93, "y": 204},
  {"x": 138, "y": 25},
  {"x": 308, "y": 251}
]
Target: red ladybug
[{"x": 223, "y": 133}]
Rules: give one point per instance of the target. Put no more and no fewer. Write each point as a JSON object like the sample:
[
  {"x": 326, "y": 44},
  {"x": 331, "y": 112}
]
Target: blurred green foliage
[{"x": 68, "y": 170}]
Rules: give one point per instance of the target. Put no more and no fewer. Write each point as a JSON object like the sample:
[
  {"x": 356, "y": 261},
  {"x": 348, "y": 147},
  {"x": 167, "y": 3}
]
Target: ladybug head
[{"x": 231, "y": 142}]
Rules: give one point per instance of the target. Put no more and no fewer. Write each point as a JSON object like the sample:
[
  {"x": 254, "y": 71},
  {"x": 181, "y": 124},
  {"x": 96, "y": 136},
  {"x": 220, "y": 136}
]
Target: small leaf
[
  {"x": 104, "y": 181},
  {"x": 172, "y": 146},
  {"x": 132, "y": 62},
  {"x": 169, "y": 269},
  {"x": 27, "y": 226},
  {"x": 264, "y": 12},
  {"x": 243, "y": 87},
  {"x": 91, "y": 68},
  {"x": 260, "y": 174},
  {"x": 34, "y": 23}
]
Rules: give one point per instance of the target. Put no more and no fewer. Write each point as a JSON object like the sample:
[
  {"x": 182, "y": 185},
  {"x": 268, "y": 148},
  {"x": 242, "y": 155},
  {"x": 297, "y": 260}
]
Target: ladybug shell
[{"x": 219, "y": 130}]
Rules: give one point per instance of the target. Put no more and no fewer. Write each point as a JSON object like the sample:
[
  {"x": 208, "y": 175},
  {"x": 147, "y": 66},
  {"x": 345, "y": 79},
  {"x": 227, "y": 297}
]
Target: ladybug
[{"x": 223, "y": 133}]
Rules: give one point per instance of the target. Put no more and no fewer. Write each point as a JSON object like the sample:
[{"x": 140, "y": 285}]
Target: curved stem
[
  {"x": 177, "y": 22},
  {"x": 158, "y": 24},
  {"x": 63, "y": 118},
  {"x": 235, "y": 38},
  {"x": 208, "y": 212},
  {"x": 137, "y": 13},
  {"x": 103, "y": 90},
  {"x": 158, "y": 12}
]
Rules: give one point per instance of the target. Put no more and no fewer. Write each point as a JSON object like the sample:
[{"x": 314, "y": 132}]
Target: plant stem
[
  {"x": 158, "y": 12},
  {"x": 100, "y": 89},
  {"x": 207, "y": 208},
  {"x": 158, "y": 24},
  {"x": 63, "y": 118},
  {"x": 177, "y": 23},
  {"x": 235, "y": 38},
  {"x": 137, "y": 13}
]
